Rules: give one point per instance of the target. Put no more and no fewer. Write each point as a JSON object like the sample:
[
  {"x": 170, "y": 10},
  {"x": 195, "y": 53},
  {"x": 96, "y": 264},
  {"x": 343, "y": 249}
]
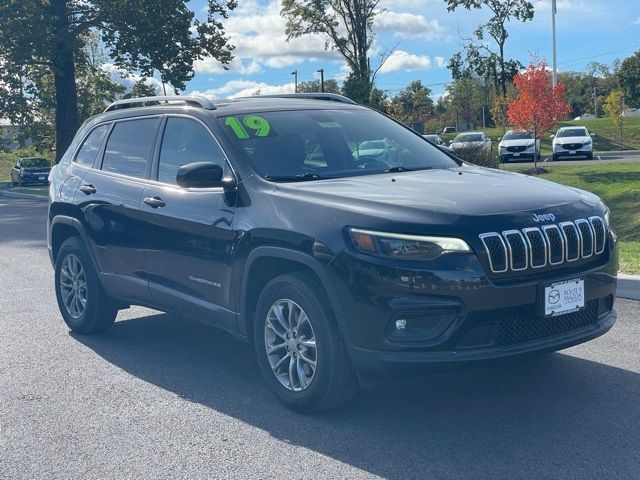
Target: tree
[
  {"x": 412, "y": 105},
  {"x": 538, "y": 106},
  {"x": 348, "y": 27},
  {"x": 143, "y": 36},
  {"x": 483, "y": 59},
  {"x": 312, "y": 86},
  {"x": 141, "y": 89},
  {"x": 629, "y": 78},
  {"x": 613, "y": 107},
  {"x": 500, "y": 112}
]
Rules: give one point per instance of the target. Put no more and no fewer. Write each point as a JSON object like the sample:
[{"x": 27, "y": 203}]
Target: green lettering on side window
[{"x": 258, "y": 125}]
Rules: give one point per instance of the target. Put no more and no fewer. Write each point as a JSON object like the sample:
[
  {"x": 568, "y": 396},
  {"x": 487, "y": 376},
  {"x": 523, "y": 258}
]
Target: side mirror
[
  {"x": 499, "y": 139},
  {"x": 552, "y": 136},
  {"x": 202, "y": 175},
  {"x": 592, "y": 134}
]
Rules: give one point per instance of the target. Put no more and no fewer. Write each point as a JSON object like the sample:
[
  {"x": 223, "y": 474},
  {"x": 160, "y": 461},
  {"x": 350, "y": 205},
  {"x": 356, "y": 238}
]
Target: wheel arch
[
  {"x": 63, "y": 227},
  {"x": 266, "y": 263}
]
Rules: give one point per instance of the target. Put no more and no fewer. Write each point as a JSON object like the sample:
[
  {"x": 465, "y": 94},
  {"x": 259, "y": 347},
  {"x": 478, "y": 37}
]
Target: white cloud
[
  {"x": 408, "y": 25},
  {"x": 441, "y": 62},
  {"x": 405, "y": 61},
  {"x": 258, "y": 33},
  {"x": 128, "y": 80},
  {"x": 244, "y": 88}
]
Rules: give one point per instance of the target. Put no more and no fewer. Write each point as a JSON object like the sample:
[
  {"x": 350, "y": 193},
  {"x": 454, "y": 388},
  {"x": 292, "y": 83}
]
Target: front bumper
[
  {"x": 384, "y": 362},
  {"x": 469, "y": 311},
  {"x": 581, "y": 152},
  {"x": 506, "y": 155}
]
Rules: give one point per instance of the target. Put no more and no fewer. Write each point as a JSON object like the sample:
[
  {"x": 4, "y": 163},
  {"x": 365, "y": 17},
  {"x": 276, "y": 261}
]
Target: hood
[
  {"x": 562, "y": 140},
  {"x": 523, "y": 142},
  {"x": 435, "y": 196},
  {"x": 36, "y": 169},
  {"x": 466, "y": 144}
]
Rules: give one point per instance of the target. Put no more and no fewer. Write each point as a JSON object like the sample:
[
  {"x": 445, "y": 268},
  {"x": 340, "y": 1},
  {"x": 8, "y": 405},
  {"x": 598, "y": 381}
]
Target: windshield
[
  {"x": 518, "y": 136},
  {"x": 314, "y": 144},
  {"x": 573, "y": 132},
  {"x": 34, "y": 163},
  {"x": 468, "y": 137}
]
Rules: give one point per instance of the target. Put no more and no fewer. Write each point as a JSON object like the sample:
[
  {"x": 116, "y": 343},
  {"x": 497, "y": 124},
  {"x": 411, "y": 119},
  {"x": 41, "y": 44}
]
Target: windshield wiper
[
  {"x": 400, "y": 168},
  {"x": 303, "y": 177}
]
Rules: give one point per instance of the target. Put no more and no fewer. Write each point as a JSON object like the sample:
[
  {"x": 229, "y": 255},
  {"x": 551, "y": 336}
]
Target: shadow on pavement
[{"x": 555, "y": 416}]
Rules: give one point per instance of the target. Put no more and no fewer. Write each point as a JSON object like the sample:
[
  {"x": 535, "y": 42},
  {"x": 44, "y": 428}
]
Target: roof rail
[
  {"x": 332, "y": 97},
  {"x": 193, "y": 101}
]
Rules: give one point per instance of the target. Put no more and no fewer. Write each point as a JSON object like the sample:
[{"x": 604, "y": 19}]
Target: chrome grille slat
[
  {"x": 537, "y": 247},
  {"x": 586, "y": 237},
  {"x": 600, "y": 234}
]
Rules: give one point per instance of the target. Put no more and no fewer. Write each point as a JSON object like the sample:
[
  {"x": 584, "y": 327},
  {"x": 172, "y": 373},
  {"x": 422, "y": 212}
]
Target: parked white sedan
[
  {"x": 572, "y": 142},
  {"x": 471, "y": 141}
]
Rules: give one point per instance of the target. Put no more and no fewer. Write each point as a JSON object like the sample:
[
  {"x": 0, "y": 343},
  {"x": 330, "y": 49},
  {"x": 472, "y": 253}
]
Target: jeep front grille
[{"x": 535, "y": 247}]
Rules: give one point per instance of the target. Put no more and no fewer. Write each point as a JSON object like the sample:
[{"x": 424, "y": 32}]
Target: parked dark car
[
  {"x": 31, "y": 171},
  {"x": 258, "y": 216}
]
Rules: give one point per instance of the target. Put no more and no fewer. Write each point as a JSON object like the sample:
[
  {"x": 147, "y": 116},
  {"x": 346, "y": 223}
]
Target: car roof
[{"x": 235, "y": 106}]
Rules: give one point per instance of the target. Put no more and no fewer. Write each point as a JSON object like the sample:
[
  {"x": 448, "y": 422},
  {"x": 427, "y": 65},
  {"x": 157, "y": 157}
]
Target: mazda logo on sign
[{"x": 553, "y": 297}]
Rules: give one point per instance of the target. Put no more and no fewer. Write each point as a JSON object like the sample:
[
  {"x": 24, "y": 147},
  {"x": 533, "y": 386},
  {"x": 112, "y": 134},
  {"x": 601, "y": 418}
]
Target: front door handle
[
  {"x": 154, "y": 202},
  {"x": 88, "y": 189}
]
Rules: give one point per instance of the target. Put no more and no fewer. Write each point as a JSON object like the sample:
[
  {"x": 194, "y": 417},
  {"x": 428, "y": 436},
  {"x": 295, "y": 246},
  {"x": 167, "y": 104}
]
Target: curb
[{"x": 628, "y": 286}]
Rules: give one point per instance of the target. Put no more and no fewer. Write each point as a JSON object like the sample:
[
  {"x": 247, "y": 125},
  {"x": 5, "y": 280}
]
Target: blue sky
[{"x": 426, "y": 36}]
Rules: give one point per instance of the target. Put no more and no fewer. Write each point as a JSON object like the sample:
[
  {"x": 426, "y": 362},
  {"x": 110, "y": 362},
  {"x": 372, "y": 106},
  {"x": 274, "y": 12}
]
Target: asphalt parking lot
[
  {"x": 598, "y": 158},
  {"x": 162, "y": 397}
]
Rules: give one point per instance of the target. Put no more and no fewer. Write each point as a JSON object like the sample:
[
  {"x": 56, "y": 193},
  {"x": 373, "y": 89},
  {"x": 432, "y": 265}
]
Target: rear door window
[
  {"x": 129, "y": 147},
  {"x": 89, "y": 149}
]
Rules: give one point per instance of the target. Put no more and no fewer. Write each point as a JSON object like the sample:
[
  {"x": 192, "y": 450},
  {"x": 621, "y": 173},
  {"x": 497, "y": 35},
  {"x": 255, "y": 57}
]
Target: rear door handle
[
  {"x": 154, "y": 202},
  {"x": 88, "y": 189}
]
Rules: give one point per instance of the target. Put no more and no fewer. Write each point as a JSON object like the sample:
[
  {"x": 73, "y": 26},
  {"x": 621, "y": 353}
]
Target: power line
[{"x": 599, "y": 55}]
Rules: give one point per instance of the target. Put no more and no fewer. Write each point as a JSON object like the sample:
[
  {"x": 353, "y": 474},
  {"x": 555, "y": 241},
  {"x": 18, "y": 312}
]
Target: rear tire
[
  {"x": 299, "y": 385},
  {"x": 590, "y": 156},
  {"x": 83, "y": 304}
]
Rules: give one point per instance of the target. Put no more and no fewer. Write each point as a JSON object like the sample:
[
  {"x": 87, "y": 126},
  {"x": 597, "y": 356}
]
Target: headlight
[
  {"x": 607, "y": 214},
  {"x": 588, "y": 141},
  {"x": 409, "y": 247}
]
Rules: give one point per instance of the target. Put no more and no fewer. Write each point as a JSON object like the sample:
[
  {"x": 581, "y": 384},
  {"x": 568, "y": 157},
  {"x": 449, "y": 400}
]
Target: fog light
[{"x": 401, "y": 324}]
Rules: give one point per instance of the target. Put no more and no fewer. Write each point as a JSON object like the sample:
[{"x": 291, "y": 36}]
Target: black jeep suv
[{"x": 342, "y": 244}]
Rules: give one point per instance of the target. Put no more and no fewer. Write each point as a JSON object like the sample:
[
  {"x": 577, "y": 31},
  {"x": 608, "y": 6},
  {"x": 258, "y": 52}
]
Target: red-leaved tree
[{"x": 538, "y": 106}]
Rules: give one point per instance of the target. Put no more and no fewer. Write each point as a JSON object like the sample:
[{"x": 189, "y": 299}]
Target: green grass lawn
[
  {"x": 41, "y": 191},
  {"x": 606, "y": 137},
  {"x": 618, "y": 184}
]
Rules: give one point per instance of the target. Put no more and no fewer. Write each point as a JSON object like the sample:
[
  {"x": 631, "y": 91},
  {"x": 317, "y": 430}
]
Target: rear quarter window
[{"x": 87, "y": 153}]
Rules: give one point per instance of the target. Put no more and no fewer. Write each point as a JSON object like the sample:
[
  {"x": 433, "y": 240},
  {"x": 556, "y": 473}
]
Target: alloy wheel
[
  {"x": 73, "y": 286},
  {"x": 290, "y": 345}
]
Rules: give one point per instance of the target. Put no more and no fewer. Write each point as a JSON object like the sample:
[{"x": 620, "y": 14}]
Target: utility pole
[
  {"x": 321, "y": 71},
  {"x": 554, "y": 76},
  {"x": 295, "y": 76}
]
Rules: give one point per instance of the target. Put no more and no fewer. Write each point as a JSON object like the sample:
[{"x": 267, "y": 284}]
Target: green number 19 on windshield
[{"x": 259, "y": 125}]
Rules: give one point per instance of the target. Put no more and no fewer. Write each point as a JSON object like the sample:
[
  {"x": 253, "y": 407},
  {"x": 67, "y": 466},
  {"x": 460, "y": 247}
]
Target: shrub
[{"x": 478, "y": 157}]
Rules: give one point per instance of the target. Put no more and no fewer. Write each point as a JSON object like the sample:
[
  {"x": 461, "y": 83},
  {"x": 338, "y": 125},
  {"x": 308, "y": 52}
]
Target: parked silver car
[{"x": 471, "y": 141}]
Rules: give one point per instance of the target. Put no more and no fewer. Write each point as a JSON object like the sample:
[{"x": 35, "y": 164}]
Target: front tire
[
  {"x": 300, "y": 350},
  {"x": 555, "y": 157},
  {"x": 83, "y": 304}
]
